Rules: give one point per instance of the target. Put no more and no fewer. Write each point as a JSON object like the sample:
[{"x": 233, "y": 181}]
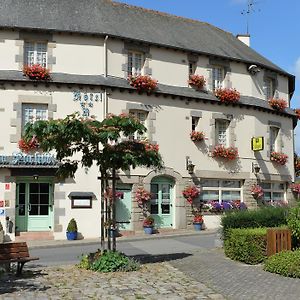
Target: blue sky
[{"x": 274, "y": 28}]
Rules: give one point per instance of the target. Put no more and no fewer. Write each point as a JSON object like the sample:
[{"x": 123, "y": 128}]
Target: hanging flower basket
[
  {"x": 197, "y": 81},
  {"x": 230, "y": 153},
  {"x": 143, "y": 83},
  {"x": 190, "y": 193},
  {"x": 295, "y": 188},
  {"x": 257, "y": 191},
  {"x": 37, "y": 72},
  {"x": 142, "y": 196},
  {"x": 228, "y": 95},
  {"x": 278, "y": 104},
  {"x": 279, "y": 158},
  {"x": 197, "y": 136},
  {"x": 30, "y": 146}
]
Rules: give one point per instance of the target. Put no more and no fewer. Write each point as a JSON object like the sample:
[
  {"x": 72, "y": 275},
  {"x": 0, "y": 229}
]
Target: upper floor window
[
  {"x": 135, "y": 63},
  {"x": 269, "y": 88},
  {"x": 218, "y": 75},
  {"x": 195, "y": 122},
  {"x": 222, "y": 132},
  {"x": 274, "y": 138},
  {"x": 142, "y": 117},
  {"x": 192, "y": 68},
  {"x": 35, "y": 53},
  {"x": 33, "y": 112}
]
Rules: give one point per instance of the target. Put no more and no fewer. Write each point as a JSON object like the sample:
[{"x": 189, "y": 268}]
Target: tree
[{"x": 108, "y": 144}]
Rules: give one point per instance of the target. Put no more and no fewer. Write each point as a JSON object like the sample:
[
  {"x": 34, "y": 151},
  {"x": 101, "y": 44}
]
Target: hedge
[
  {"x": 284, "y": 263},
  {"x": 247, "y": 245},
  {"x": 263, "y": 217}
]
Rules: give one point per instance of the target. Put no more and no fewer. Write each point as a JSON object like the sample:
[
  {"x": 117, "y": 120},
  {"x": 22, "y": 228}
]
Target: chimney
[{"x": 245, "y": 38}]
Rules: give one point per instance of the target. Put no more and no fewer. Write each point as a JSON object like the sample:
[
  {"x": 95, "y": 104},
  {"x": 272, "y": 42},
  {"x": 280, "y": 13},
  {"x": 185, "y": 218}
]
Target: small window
[
  {"x": 274, "y": 192},
  {"x": 142, "y": 117},
  {"x": 195, "y": 122},
  {"x": 222, "y": 132},
  {"x": 218, "y": 75},
  {"x": 35, "y": 53},
  {"x": 192, "y": 68},
  {"x": 274, "y": 138},
  {"x": 135, "y": 63},
  {"x": 33, "y": 112},
  {"x": 269, "y": 88}
]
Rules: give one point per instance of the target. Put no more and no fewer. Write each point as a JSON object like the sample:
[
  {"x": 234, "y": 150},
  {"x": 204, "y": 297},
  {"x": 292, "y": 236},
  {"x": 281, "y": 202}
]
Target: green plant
[
  {"x": 108, "y": 261},
  {"x": 285, "y": 263},
  {"x": 293, "y": 222},
  {"x": 72, "y": 226},
  {"x": 247, "y": 245},
  {"x": 264, "y": 217}
]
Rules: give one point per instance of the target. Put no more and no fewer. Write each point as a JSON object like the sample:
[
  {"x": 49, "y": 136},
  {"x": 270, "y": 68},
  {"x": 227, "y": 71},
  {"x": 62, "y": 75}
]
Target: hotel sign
[
  {"x": 257, "y": 143},
  {"x": 21, "y": 159}
]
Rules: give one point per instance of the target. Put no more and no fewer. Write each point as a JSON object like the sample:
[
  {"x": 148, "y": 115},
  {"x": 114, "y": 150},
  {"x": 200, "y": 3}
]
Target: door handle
[{"x": 29, "y": 207}]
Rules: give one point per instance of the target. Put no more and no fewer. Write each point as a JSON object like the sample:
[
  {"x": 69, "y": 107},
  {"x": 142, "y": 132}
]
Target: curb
[{"x": 65, "y": 243}]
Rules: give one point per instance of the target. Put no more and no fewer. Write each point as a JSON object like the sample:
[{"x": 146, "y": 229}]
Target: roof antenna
[{"x": 247, "y": 12}]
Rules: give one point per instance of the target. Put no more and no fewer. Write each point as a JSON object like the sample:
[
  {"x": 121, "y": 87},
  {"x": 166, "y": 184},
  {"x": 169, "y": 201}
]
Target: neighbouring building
[{"x": 91, "y": 47}]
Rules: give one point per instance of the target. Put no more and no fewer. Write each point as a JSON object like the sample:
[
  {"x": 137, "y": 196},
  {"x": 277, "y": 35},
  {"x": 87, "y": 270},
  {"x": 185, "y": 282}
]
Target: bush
[
  {"x": 285, "y": 263},
  {"x": 293, "y": 222},
  {"x": 247, "y": 245},
  {"x": 72, "y": 226},
  {"x": 264, "y": 217},
  {"x": 108, "y": 261}
]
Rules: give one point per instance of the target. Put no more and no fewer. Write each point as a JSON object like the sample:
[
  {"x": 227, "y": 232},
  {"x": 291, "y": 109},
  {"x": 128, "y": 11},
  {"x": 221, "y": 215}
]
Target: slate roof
[
  {"x": 115, "y": 82},
  {"x": 131, "y": 22}
]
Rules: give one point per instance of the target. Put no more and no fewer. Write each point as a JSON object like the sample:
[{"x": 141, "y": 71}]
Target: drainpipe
[{"x": 105, "y": 100}]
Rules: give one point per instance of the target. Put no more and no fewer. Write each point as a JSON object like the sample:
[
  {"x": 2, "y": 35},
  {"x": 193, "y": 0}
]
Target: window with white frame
[
  {"x": 135, "y": 63},
  {"x": 222, "y": 127},
  {"x": 221, "y": 190},
  {"x": 274, "y": 138},
  {"x": 35, "y": 53},
  {"x": 142, "y": 117},
  {"x": 269, "y": 88},
  {"x": 192, "y": 68},
  {"x": 274, "y": 191},
  {"x": 33, "y": 112},
  {"x": 218, "y": 75},
  {"x": 195, "y": 122}
]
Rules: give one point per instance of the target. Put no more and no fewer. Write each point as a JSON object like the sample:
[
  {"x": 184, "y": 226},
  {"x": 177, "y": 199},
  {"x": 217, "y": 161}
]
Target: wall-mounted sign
[
  {"x": 87, "y": 100},
  {"x": 7, "y": 186},
  {"x": 2, "y": 212},
  {"x": 257, "y": 143},
  {"x": 81, "y": 203},
  {"x": 37, "y": 159}
]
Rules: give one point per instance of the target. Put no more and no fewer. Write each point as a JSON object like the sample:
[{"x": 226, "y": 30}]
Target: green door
[
  {"x": 34, "y": 206},
  {"x": 162, "y": 202},
  {"x": 123, "y": 210}
]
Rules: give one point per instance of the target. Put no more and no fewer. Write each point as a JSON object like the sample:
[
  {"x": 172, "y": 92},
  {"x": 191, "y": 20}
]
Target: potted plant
[
  {"x": 197, "y": 136},
  {"x": 278, "y": 104},
  {"x": 72, "y": 230},
  {"x": 197, "y": 81},
  {"x": 228, "y": 95},
  {"x": 228, "y": 153},
  {"x": 279, "y": 158},
  {"x": 36, "y": 72},
  {"x": 198, "y": 221},
  {"x": 295, "y": 188},
  {"x": 148, "y": 224},
  {"x": 1, "y": 234},
  {"x": 143, "y": 83}
]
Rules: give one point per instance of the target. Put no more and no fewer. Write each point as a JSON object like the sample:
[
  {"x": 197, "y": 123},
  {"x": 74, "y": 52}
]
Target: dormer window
[
  {"x": 35, "y": 53},
  {"x": 269, "y": 88},
  {"x": 218, "y": 76},
  {"x": 135, "y": 63}
]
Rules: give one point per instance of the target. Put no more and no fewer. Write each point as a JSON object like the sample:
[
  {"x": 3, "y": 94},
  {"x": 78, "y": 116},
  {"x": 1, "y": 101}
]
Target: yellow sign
[{"x": 257, "y": 143}]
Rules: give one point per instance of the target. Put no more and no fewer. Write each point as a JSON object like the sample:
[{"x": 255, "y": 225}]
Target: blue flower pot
[
  {"x": 197, "y": 226},
  {"x": 72, "y": 236},
  {"x": 112, "y": 233},
  {"x": 148, "y": 229}
]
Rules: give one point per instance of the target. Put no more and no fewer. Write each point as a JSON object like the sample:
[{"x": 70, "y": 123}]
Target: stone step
[{"x": 34, "y": 236}]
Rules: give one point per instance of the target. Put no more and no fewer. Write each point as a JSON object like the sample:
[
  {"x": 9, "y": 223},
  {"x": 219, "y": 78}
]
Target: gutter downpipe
[{"x": 105, "y": 102}]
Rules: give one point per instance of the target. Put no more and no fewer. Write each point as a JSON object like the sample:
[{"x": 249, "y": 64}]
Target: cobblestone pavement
[
  {"x": 154, "y": 281},
  {"x": 237, "y": 281}
]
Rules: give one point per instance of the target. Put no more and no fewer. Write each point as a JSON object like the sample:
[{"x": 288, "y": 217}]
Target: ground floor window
[{"x": 274, "y": 191}]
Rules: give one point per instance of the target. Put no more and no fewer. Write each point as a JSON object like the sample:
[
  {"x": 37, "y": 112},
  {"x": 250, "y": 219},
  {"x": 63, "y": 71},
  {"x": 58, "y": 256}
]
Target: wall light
[{"x": 189, "y": 165}]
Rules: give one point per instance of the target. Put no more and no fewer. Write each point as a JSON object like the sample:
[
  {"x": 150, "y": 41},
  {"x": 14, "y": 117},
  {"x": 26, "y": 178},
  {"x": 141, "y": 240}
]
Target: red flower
[
  {"x": 197, "y": 81},
  {"x": 297, "y": 111},
  {"x": 257, "y": 191},
  {"x": 279, "y": 158},
  {"x": 229, "y": 153},
  {"x": 295, "y": 187},
  {"x": 36, "y": 72},
  {"x": 143, "y": 83},
  {"x": 197, "y": 136},
  {"x": 26, "y": 147},
  {"x": 278, "y": 104},
  {"x": 198, "y": 219},
  {"x": 227, "y": 95},
  {"x": 190, "y": 193}
]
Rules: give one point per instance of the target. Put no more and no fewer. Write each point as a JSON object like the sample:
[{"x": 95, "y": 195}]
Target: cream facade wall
[{"x": 8, "y": 50}]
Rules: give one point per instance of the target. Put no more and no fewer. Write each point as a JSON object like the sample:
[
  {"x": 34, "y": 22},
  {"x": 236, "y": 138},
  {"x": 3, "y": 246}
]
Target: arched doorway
[{"x": 161, "y": 204}]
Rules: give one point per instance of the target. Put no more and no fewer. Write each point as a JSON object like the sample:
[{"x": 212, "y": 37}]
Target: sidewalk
[{"x": 140, "y": 235}]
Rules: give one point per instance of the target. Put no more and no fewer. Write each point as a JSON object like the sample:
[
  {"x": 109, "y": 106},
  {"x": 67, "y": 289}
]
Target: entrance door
[
  {"x": 34, "y": 206},
  {"x": 123, "y": 210},
  {"x": 162, "y": 202}
]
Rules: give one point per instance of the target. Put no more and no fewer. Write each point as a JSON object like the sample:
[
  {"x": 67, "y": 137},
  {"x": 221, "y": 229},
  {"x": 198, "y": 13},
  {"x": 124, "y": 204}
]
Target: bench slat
[
  {"x": 14, "y": 250},
  {"x": 13, "y": 255}
]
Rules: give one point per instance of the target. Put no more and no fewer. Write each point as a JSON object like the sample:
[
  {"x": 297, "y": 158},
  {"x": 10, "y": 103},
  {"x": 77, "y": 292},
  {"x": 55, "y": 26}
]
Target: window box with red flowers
[
  {"x": 36, "y": 72},
  {"x": 143, "y": 83},
  {"x": 28, "y": 146},
  {"x": 278, "y": 104},
  {"x": 228, "y": 153},
  {"x": 228, "y": 95},
  {"x": 279, "y": 158},
  {"x": 197, "y": 136},
  {"x": 197, "y": 82},
  {"x": 190, "y": 193}
]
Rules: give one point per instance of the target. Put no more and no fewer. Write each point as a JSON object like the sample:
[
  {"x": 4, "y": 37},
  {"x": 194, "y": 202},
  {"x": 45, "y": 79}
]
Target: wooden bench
[{"x": 15, "y": 253}]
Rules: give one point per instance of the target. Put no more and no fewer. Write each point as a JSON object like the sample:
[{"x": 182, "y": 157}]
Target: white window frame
[
  {"x": 195, "y": 123},
  {"x": 192, "y": 68},
  {"x": 218, "y": 77},
  {"x": 220, "y": 188},
  {"x": 274, "y": 138},
  {"x": 135, "y": 59},
  {"x": 269, "y": 88},
  {"x": 144, "y": 120},
  {"x": 33, "y": 111},
  {"x": 220, "y": 131},
  {"x": 273, "y": 190},
  {"x": 35, "y": 53}
]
